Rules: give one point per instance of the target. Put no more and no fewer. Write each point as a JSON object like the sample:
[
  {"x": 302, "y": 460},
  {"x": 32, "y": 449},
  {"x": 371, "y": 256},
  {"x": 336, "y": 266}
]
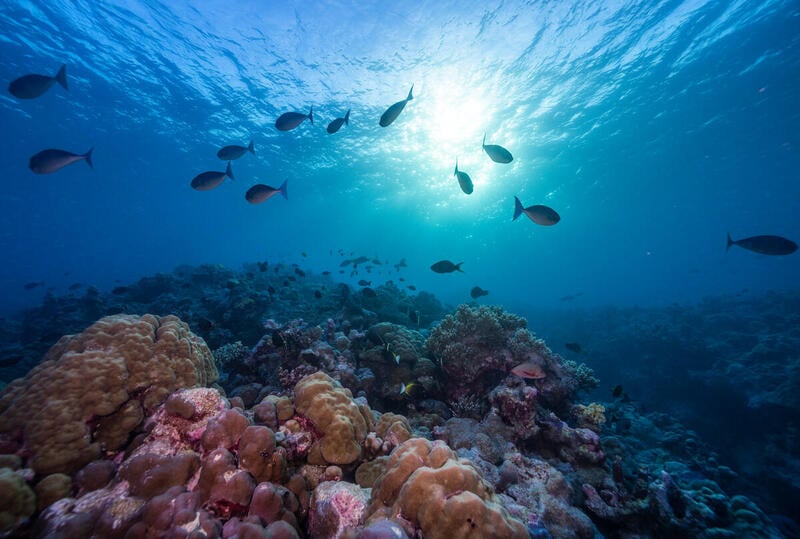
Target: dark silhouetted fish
[
  {"x": 205, "y": 324},
  {"x": 211, "y": 179},
  {"x": 617, "y": 391},
  {"x": 335, "y": 125},
  {"x": 289, "y": 120},
  {"x": 412, "y": 287},
  {"x": 31, "y": 86},
  {"x": 48, "y": 161},
  {"x": 262, "y": 266},
  {"x": 300, "y": 272},
  {"x": 261, "y": 193},
  {"x": 31, "y": 286},
  {"x": 541, "y": 215},
  {"x": 445, "y": 266},
  {"x": 766, "y": 245},
  {"x": 363, "y": 282},
  {"x": 394, "y": 111},
  {"x": 477, "y": 292},
  {"x": 498, "y": 154},
  {"x": 575, "y": 347},
  {"x": 401, "y": 264},
  {"x": 232, "y": 152},
  {"x": 464, "y": 181},
  {"x": 326, "y": 272}
]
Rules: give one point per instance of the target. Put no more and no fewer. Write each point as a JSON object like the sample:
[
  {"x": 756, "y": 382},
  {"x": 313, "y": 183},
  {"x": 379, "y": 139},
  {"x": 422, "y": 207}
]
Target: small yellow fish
[{"x": 405, "y": 389}]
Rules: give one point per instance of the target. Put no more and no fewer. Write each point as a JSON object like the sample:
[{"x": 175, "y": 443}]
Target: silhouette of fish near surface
[
  {"x": 464, "y": 181},
  {"x": 289, "y": 120},
  {"x": 233, "y": 152},
  {"x": 32, "y": 86},
  {"x": 445, "y": 266},
  {"x": 394, "y": 111},
  {"x": 207, "y": 181},
  {"x": 498, "y": 154},
  {"x": 541, "y": 215},
  {"x": 48, "y": 161},
  {"x": 261, "y": 193},
  {"x": 335, "y": 125},
  {"x": 766, "y": 245}
]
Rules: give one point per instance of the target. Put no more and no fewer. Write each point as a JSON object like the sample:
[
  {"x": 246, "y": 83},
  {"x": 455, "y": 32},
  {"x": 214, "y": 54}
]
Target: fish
[
  {"x": 541, "y": 215},
  {"x": 289, "y": 120},
  {"x": 498, "y": 154},
  {"x": 445, "y": 266},
  {"x": 32, "y": 285},
  {"x": 412, "y": 287},
  {"x": 317, "y": 294},
  {"x": 617, "y": 391},
  {"x": 369, "y": 293},
  {"x": 326, "y": 272},
  {"x": 232, "y": 152},
  {"x": 394, "y": 111},
  {"x": 529, "y": 369},
  {"x": 304, "y": 254},
  {"x": 207, "y": 181},
  {"x": 359, "y": 260},
  {"x": 477, "y": 292},
  {"x": 32, "y": 86},
  {"x": 364, "y": 282},
  {"x": 300, "y": 272},
  {"x": 401, "y": 264},
  {"x": 575, "y": 347},
  {"x": 119, "y": 290},
  {"x": 48, "y": 161},
  {"x": 335, "y": 125},
  {"x": 261, "y": 193},
  {"x": 206, "y": 324},
  {"x": 766, "y": 245},
  {"x": 464, "y": 181},
  {"x": 405, "y": 389},
  {"x": 262, "y": 266}
]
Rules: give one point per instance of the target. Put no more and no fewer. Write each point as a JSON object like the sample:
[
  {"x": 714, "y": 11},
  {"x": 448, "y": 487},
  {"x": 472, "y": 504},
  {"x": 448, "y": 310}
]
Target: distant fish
[
  {"x": 575, "y": 347},
  {"x": 304, "y": 254},
  {"x": 300, "y": 272},
  {"x": 401, "y": 264},
  {"x": 541, "y": 215},
  {"x": 32, "y": 86},
  {"x": 317, "y": 294},
  {"x": 207, "y": 181},
  {"x": 232, "y": 152},
  {"x": 766, "y": 245},
  {"x": 570, "y": 297},
  {"x": 206, "y": 324},
  {"x": 326, "y": 272},
  {"x": 261, "y": 193},
  {"x": 32, "y": 285},
  {"x": 48, "y": 161},
  {"x": 530, "y": 370},
  {"x": 262, "y": 266},
  {"x": 335, "y": 125},
  {"x": 394, "y": 111},
  {"x": 464, "y": 181},
  {"x": 405, "y": 389},
  {"x": 412, "y": 287},
  {"x": 617, "y": 391},
  {"x": 498, "y": 154},
  {"x": 445, "y": 266},
  {"x": 364, "y": 282},
  {"x": 289, "y": 120},
  {"x": 477, "y": 292}
]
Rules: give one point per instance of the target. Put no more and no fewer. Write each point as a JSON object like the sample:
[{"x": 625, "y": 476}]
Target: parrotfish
[
  {"x": 261, "y": 193},
  {"x": 289, "y": 120},
  {"x": 233, "y": 152},
  {"x": 48, "y": 161},
  {"x": 477, "y": 292},
  {"x": 766, "y": 245},
  {"x": 464, "y": 181},
  {"x": 445, "y": 266},
  {"x": 32, "y": 86},
  {"x": 541, "y": 215},
  {"x": 335, "y": 125},
  {"x": 498, "y": 154},
  {"x": 394, "y": 111},
  {"x": 211, "y": 179}
]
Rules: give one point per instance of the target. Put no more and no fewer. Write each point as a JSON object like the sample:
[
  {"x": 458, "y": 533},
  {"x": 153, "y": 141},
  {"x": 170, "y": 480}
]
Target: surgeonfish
[
  {"x": 335, "y": 125},
  {"x": 233, "y": 152},
  {"x": 498, "y": 154},
  {"x": 445, "y": 266},
  {"x": 541, "y": 215},
  {"x": 32, "y": 86},
  {"x": 207, "y": 181},
  {"x": 289, "y": 120},
  {"x": 261, "y": 193},
  {"x": 766, "y": 245},
  {"x": 464, "y": 181},
  {"x": 48, "y": 161},
  {"x": 477, "y": 292},
  {"x": 394, "y": 111}
]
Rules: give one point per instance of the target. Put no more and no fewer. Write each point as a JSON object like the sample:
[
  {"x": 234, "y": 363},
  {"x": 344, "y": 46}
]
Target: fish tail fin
[
  {"x": 311, "y": 114},
  {"x": 456, "y": 170},
  {"x": 88, "y": 157},
  {"x": 458, "y": 267},
  {"x": 518, "y": 208},
  {"x": 483, "y": 144},
  {"x": 229, "y": 171},
  {"x": 251, "y": 148},
  {"x": 730, "y": 242},
  {"x": 410, "y": 96},
  {"x": 347, "y": 118},
  {"x": 284, "y": 189},
  {"x": 61, "y": 76}
]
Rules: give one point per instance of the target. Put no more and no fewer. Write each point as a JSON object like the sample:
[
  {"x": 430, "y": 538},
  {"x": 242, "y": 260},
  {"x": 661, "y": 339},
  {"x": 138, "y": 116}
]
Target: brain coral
[
  {"x": 333, "y": 412},
  {"x": 430, "y": 491},
  {"x": 92, "y": 389}
]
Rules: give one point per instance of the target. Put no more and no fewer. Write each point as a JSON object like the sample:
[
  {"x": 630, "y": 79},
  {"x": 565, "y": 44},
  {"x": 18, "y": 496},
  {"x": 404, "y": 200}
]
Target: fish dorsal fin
[
  {"x": 483, "y": 144},
  {"x": 410, "y": 96}
]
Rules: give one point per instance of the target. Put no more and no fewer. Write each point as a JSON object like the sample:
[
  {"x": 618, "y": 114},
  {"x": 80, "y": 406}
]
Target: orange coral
[{"x": 92, "y": 389}]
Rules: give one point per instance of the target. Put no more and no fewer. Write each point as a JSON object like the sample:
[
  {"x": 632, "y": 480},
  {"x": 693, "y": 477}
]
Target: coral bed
[{"x": 131, "y": 438}]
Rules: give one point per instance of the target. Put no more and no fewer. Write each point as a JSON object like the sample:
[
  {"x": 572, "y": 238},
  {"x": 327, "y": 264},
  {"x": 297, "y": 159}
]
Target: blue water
[{"x": 653, "y": 128}]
